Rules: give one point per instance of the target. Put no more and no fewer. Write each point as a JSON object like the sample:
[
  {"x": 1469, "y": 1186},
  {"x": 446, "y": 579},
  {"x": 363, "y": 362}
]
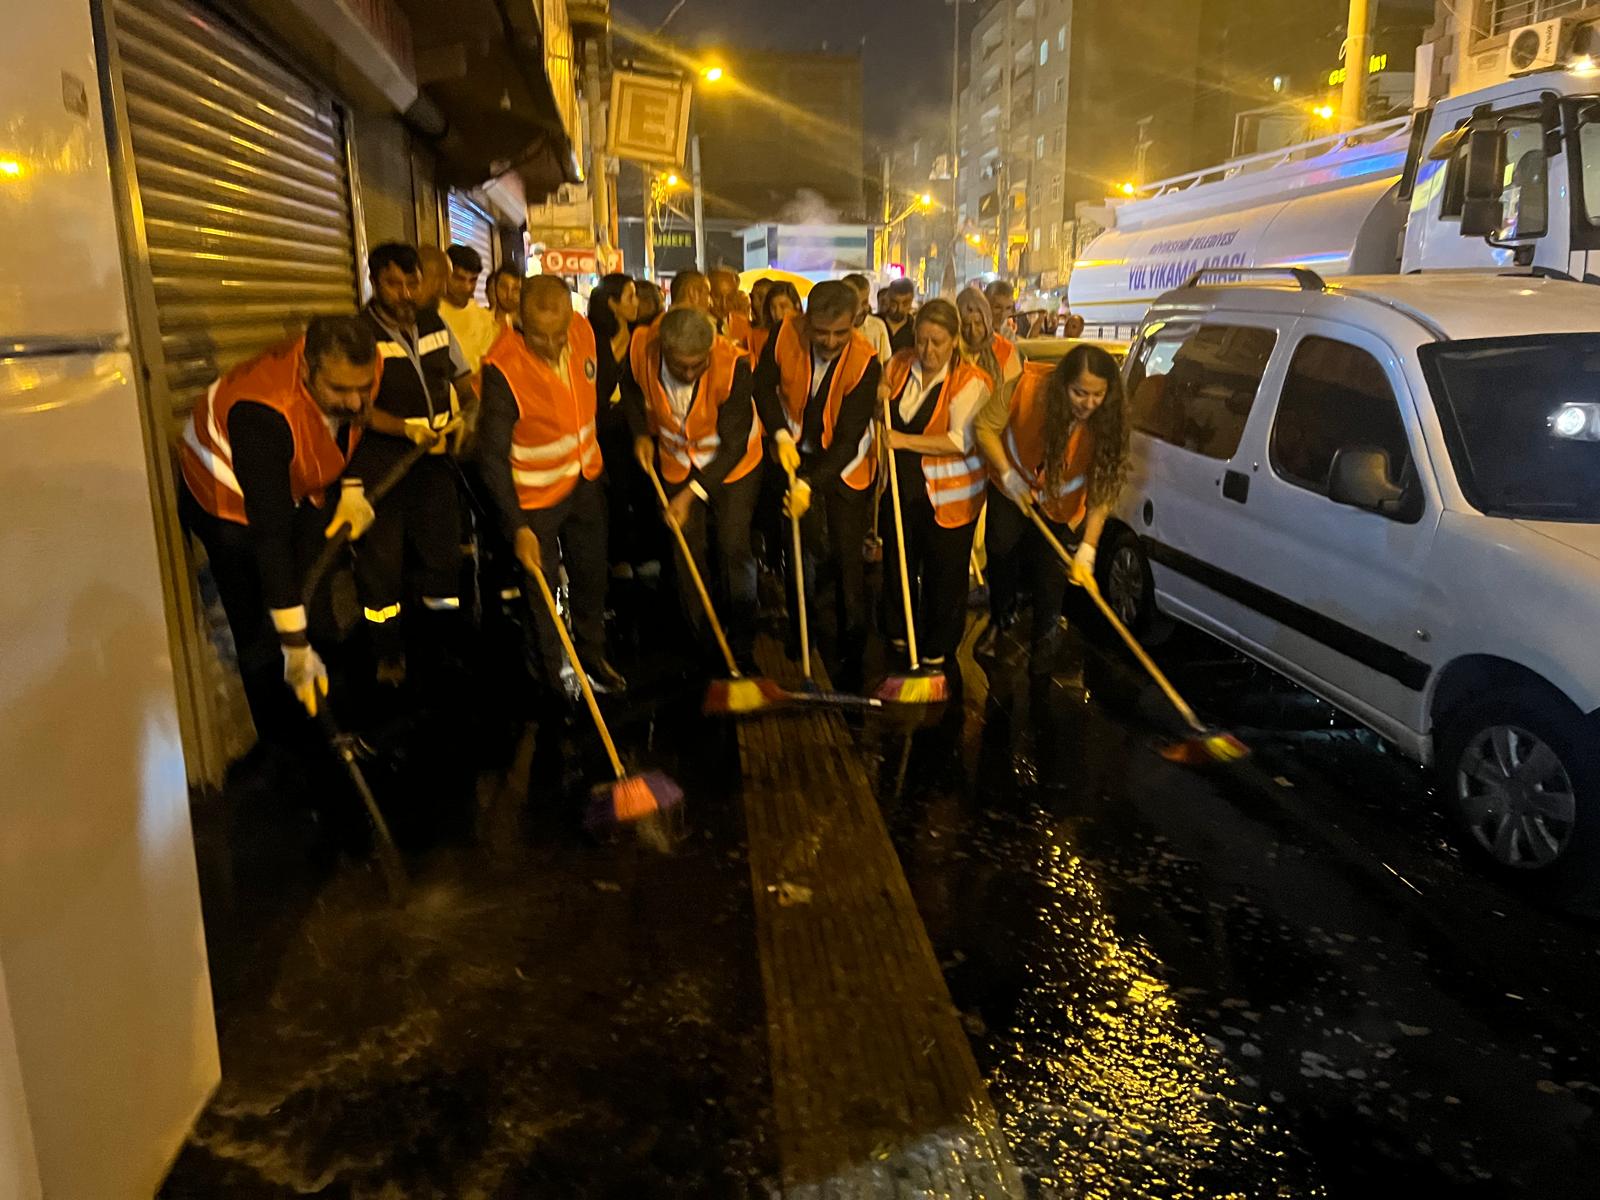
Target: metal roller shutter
[
  {"x": 471, "y": 226},
  {"x": 243, "y": 186}
]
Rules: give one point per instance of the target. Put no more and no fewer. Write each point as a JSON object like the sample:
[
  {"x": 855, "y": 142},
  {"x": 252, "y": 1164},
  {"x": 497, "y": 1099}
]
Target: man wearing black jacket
[
  {"x": 816, "y": 390},
  {"x": 687, "y": 401}
]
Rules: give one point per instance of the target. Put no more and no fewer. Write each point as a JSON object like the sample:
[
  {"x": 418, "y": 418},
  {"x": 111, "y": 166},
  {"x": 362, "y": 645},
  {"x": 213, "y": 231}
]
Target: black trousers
[
  {"x": 937, "y": 562},
  {"x": 572, "y": 534},
  {"x": 634, "y": 527},
  {"x": 1015, "y": 546},
  {"x": 733, "y": 585},
  {"x": 831, "y": 537},
  {"x": 278, "y": 717},
  {"x": 417, "y": 523}
]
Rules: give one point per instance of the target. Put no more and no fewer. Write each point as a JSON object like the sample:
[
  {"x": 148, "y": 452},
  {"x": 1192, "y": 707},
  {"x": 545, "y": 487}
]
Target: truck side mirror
[
  {"x": 1484, "y": 183},
  {"x": 1527, "y": 213},
  {"x": 1359, "y": 477}
]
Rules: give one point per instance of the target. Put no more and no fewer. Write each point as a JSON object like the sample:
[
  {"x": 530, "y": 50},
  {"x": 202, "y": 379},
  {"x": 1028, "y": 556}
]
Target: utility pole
[
  {"x": 699, "y": 204},
  {"x": 955, "y": 132},
  {"x": 1008, "y": 64},
  {"x": 1358, "y": 39},
  {"x": 888, "y": 214}
]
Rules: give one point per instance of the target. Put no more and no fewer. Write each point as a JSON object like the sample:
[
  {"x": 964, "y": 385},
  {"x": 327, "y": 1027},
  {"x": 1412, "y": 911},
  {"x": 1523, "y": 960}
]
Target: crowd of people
[{"x": 439, "y": 435}]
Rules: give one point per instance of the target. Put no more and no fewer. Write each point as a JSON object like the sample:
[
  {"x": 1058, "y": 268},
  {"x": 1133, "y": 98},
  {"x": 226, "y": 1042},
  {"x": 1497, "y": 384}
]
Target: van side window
[
  {"x": 1195, "y": 388},
  {"x": 1335, "y": 397}
]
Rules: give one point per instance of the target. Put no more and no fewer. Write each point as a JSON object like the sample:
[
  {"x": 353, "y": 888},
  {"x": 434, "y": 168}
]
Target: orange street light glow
[
  {"x": 10, "y": 167},
  {"x": 712, "y": 74}
]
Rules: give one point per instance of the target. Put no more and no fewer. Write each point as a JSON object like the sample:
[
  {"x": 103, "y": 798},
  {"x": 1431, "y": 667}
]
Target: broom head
[
  {"x": 914, "y": 689},
  {"x": 1197, "y": 751},
  {"x": 632, "y": 799},
  {"x": 736, "y": 697}
]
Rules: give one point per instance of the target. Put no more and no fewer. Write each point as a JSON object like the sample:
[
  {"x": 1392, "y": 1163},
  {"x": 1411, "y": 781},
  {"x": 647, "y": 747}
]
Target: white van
[{"x": 1388, "y": 489}]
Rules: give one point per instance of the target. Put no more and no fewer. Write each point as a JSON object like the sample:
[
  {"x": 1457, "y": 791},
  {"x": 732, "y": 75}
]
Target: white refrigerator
[{"x": 107, "y": 1043}]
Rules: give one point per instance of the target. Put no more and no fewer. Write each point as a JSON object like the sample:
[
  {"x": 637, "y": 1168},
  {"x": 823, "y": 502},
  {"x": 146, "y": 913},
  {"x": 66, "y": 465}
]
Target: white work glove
[
  {"x": 1016, "y": 489},
  {"x": 788, "y": 452},
  {"x": 306, "y": 676},
  {"x": 353, "y": 511},
  {"x": 1083, "y": 567},
  {"x": 797, "y": 501},
  {"x": 421, "y": 432}
]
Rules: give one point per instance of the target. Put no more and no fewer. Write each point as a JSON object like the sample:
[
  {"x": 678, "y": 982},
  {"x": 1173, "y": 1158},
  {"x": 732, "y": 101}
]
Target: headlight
[{"x": 1576, "y": 422}]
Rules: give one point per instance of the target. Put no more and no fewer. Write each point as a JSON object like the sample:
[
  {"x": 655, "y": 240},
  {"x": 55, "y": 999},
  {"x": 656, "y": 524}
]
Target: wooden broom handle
[
  {"x": 900, "y": 540},
  {"x": 1106, "y": 611},
  {"x": 800, "y": 590},
  {"x": 694, "y": 573},
  {"x": 577, "y": 667}
]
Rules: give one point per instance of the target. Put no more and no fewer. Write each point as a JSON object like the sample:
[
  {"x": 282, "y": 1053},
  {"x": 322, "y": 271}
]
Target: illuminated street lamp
[
  {"x": 711, "y": 74},
  {"x": 1127, "y": 188},
  {"x": 1323, "y": 112}
]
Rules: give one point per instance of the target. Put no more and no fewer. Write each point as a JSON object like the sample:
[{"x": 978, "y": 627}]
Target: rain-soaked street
[{"x": 1274, "y": 978}]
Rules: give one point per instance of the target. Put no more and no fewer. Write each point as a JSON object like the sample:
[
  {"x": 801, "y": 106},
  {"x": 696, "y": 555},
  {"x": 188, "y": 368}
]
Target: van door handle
[{"x": 1236, "y": 486}]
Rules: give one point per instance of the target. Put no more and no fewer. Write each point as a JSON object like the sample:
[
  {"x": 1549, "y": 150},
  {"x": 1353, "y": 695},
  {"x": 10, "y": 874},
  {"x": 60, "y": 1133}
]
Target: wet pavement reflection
[{"x": 1274, "y": 979}]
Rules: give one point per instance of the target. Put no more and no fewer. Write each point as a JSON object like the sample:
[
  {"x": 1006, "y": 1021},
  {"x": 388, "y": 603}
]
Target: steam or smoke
[{"x": 808, "y": 208}]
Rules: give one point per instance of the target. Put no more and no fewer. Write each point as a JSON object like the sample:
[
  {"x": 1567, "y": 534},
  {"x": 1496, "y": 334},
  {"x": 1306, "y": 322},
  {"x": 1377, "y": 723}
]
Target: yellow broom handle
[
  {"x": 900, "y": 539},
  {"x": 577, "y": 667},
  {"x": 800, "y": 589},
  {"x": 694, "y": 573},
  {"x": 1106, "y": 611}
]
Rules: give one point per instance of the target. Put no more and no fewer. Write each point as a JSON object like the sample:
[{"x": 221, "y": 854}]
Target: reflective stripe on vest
[
  {"x": 1068, "y": 502},
  {"x": 274, "y": 380},
  {"x": 956, "y": 483},
  {"x": 691, "y": 442},
  {"x": 553, "y": 442},
  {"x": 793, "y": 355}
]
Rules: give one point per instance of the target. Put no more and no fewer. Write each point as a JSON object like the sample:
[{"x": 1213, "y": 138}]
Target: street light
[
  {"x": 1127, "y": 189},
  {"x": 711, "y": 74},
  {"x": 1323, "y": 112}
]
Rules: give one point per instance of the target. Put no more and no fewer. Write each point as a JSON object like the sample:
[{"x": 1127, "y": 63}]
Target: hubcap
[
  {"x": 1125, "y": 584},
  {"x": 1517, "y": 797}
]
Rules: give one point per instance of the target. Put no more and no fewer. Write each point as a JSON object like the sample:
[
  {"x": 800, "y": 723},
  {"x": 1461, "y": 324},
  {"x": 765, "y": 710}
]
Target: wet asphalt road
[{"x": 1269, "y": 979}]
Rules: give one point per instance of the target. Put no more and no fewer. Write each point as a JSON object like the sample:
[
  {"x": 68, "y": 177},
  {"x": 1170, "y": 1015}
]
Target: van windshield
[{"x": 1521, "y": 419}]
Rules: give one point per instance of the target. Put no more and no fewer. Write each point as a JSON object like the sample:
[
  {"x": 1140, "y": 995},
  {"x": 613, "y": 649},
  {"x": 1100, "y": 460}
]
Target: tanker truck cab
[
  {"x": 1388, "y": 489},
  {"x": 1503, "y": 177},
  {"x": 1508, "y": 177}
]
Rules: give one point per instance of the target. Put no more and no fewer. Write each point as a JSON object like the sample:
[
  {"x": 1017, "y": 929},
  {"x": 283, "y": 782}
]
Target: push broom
[
  {"x": 642, "y": 800},
  {"x": 1207, "y": 743},
  {"x": 920, "y": 687},
  {"x": 810, "y": 693},
  {"x": 736, "y": 694}
]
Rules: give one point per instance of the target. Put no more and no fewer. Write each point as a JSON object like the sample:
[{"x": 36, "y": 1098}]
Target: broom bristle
[
  {"x": 632, "y": 799},
  {"x": 914, "y": 689},
  {"x": 1197, "y": 751},
  {"x": 742, "y": 696}
]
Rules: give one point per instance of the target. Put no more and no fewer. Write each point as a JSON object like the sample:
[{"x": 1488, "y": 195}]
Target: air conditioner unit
[{"x": 1535, "y": 47}]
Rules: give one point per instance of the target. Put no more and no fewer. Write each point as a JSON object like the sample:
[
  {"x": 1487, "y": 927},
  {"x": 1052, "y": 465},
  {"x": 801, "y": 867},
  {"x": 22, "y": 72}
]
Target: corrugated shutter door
[
  {"x": 242, "y": 181},
  {"x": 471, "y": 226}
]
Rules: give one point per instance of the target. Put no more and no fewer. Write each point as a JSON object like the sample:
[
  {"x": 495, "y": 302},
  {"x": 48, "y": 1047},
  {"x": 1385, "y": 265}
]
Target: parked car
[{"x": 1388, "y": 489}]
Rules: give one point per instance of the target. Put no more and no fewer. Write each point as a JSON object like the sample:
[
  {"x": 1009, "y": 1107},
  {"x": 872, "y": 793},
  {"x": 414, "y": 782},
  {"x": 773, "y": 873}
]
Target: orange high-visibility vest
[
  {"x": 758, "y": 343},
  {"x": 794, "y": 370},
  {"x": 1005, "y": 352},
  {"x": 692, "y": 442},
  {"x": 956, "y": 483},
  {"x": 736, "y": 327},
  {"x": 553, "y": 442},
  {"x": 275, "y": 380},
  {"x": 1024, "y": 442}
]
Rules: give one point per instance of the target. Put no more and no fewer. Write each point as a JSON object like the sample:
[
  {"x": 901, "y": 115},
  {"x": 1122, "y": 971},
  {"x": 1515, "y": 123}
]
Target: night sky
[{"x": 906, "y": 41}]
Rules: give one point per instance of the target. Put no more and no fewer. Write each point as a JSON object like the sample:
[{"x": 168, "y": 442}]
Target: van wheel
[
  {"x": 1522, "y": 779},
  {"x": 1126, "y": 583}
]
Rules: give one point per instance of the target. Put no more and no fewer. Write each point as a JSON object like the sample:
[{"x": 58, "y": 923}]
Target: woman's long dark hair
[
  {"x": 780, "y": 287},
  {"x": 601, "y": 317},
  {"x": 1108, "y": 424}
]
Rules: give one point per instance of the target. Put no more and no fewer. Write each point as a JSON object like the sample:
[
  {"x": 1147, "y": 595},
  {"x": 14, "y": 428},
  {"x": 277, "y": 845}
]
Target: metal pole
[
  {"x": 955, "y": 134},
  {"x": 1352, "y": 112},
  {"x": 649, "y": 224},
  {"x": 883, "y": 237},
  {"x": 1003, "y": 218},
  {"x": 699, "y": 204}
]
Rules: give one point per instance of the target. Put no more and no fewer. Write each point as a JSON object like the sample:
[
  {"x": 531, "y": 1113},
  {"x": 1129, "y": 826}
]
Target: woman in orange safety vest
[
  {"x": 1061, "y": 444},
  {"x": 934, "y": 395}
]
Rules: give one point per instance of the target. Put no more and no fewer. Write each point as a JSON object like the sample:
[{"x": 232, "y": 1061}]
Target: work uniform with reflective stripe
[
  {"x": 940, "y": 517},
  {"x": 540, "y": 459},
  {"x": 1024, "y": 439},
  {"x": 420, "y": 519},
  {"x": 258, "y": 456}
]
